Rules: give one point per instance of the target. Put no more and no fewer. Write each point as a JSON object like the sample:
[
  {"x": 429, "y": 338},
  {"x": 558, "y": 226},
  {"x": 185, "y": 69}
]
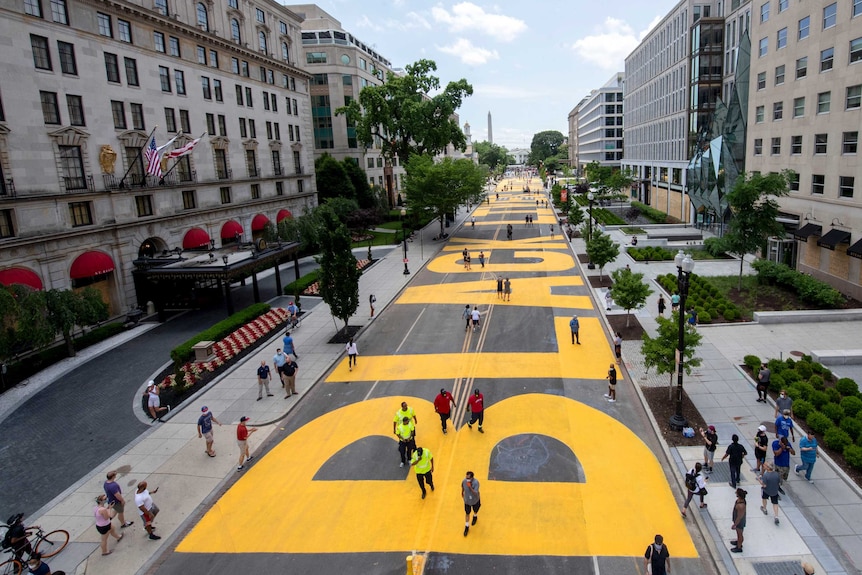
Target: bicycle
[{"x": 46, "y": 544}]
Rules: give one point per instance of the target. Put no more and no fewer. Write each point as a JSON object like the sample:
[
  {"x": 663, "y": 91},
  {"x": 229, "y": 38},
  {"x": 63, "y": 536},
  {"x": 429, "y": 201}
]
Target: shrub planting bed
[{"x": 711, "y": 305}]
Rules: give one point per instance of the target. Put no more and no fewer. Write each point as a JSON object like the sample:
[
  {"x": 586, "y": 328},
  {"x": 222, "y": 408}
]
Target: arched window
[
  {"x": 261, "y": 40},
  {"x": 285, "y": 54},
  {"x": 234, "y": 30},
  {"x": 203, "y": 18}
]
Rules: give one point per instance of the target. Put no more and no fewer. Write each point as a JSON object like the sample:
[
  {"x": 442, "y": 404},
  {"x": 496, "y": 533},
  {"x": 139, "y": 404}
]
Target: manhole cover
[
  {"x": 776, "y": 568},
  {"x": 796, "y": 353}
]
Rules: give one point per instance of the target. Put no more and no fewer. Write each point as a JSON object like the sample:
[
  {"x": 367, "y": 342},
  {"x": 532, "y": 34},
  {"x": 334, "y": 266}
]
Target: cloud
[
  {"x": 410, "y": 21},
  {"x": 612, "y": 42},
  {"x": 366, "y": 22},
  {"x": 468, "y": 53},
  {"x": 468, "y": 17}
]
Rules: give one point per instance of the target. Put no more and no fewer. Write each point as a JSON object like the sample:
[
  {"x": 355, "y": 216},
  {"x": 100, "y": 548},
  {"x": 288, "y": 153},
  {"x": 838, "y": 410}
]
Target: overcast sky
[{"x": 529, "y": 62}]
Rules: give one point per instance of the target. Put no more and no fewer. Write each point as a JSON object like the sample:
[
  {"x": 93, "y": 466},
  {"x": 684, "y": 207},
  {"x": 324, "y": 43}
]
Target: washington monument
[{"x": 490, "y": 130}]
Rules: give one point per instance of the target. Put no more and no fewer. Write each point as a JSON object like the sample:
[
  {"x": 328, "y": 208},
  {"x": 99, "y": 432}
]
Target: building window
[
  {"x": 41, "y": 53},
  {"x": 761, "y": 80},
  {"x": 180, "y": 81},
  {"x": 159, "y": 42},
  {"x": 118, "y": 112},
  {"x": 222, "y": 126},
  {"x": 781, "y": 39},
  {"x": 174, "y": 46},
  {"x": 282, "y": 28},
  {"x": 758, "y": 151},
  {"x": 105, "y": 28},
  {"x": 857, "y": 8},
  {"x": 80, "y": 213},
  {"x": 252, "y": 131},
  {"x": 203, "y": 18},
  {"x": 189, "y": 200},
  {"x": 137, "y": 116},
  {"x": 205, "y": 86},
  {"x": 777, "y": 111},
  {"x": 248, "y": 100},
  {"x": 235, "y": 32},
  {"x": 849, "y": 143},
  {"x": 315, "y": 57},
  {"x": 202, "y": 55},
  {"x": 165, "y": 78},
  {"x": 211, "y": 129},
  {"x": 776, "y": 146},
  {"x": 764, "y": 12},
  {"x": 794, "y": 181},
  {"x": 7, "y": 230},
  {"x": 824, "y": 99},
  {"x": 274, "y": 102},
  {"x": 161, "y": 7},
  {"x": 277, "y": 132},
  {"x": 68, "y": 64},
  {"x": 251, "y": 163},
  {"x": 238, "y": 95},
  {"x": 131, "y": 66},
  {"x": 58, "y": 12},
  {"x": 144, "y": 204},
  {"x": 783, "y": 5},
  {"x": 854, "y": 97},
  {"x": 804, "y": 28},
  {"x": 300, "y": 185},
  {"x": 33, "y": 8},
  {"x": 826, "y": 57},
  {"x": 845, "y": 186},
  {"x": 244, "y": 69},
  {"x": 802, "y": 67},
  {"x": 795, "y": 145},
  {"x": 225, "y": 194},
  {"x": 758, "y": 117},
  {"x": 234, "y": 65},
  {"x": 855, "y": 50},
  {"x": 124, "y": 31},
  {"x": 255, "y": 191},
  {"x": 243, "y": 131},
  {"x": 261, "y": 42},
  {"x": 290, "y": 136},
  {"x": 233, "y": 4},
  {"x": 818, "y": 183},
  {"x": 275, "y": 155},
  {"x": 285, "y": 53},
  {"x": 265, "y": 100},
  {"x": 799, "y": 107},
  {"x": 279, "y": 188},
  {"x": 213, "y": 59},
  {"x": 779, "y": 75},
  {"x": 821, "y": 143},
  {"x": 260, "y": 16},
  {"x": 829, "y": 15},
  {"x": 170, "y": 120},
  {"x": 112, "y": 68},
  {"x": 72, "y": 168},
  {"x": 50, "y": 108},
  {"x": 75, "y": 105},
  {"x": 185, "y": 122},
  {"x": 297, "y": 164},
  {"x": 763, "y": 47}
]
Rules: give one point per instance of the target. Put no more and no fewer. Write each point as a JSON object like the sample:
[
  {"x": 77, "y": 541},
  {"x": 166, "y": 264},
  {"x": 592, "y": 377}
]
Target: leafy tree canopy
[
  {"x": 493, "y": 155},
  {"x": 364, "y": 195},
  {"x": 438, "y": 188},
  {"x": 660, "y": 351},
  {"x": 544, "y": 146},
  {"x": 629, "y": 290},
  {"x": 403, "y": 118},
  {"x": 602, "y": 250},
  {"x": 332, "y": 178},
  {"x": 339, "y": 277}
]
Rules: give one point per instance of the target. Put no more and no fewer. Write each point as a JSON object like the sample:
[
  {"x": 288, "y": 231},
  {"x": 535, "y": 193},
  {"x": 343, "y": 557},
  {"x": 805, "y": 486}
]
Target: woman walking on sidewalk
[
  {"x": 104, "y": 513},
  {"x": 695, "y": 483},
  {"x": 739, "y": 508},
  {"x": 352, "y": 352}
]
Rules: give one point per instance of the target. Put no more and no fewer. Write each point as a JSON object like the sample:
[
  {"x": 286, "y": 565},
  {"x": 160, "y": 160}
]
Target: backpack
[{"x": 691, "y": 481}]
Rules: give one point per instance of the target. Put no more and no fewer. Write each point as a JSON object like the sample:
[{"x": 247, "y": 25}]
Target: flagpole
[
  {"x": 138, "y": 156},
  {"x": 178, "y": 160}
]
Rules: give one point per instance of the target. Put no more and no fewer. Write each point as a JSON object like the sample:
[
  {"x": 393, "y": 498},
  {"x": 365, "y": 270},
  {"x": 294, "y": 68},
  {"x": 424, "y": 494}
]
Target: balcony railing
[
  {"x": 132, "y": 181},
  {"x": 7, "y": 188},
  {"x": 277, "y": 171},
  {"x": 78, "y": 184},
  {"x": 253, "y": 172},
  {"x": 224, "y": 174}
]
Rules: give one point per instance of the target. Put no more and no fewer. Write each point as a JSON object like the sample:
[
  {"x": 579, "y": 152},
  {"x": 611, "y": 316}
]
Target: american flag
[{"x": 154, "y": 159}]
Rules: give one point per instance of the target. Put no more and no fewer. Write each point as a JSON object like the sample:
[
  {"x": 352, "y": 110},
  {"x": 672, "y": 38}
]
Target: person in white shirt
[{"x": 352, "y": 352}]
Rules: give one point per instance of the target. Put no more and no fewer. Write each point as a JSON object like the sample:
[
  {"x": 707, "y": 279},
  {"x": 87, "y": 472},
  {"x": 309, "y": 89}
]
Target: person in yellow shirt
[
  {"x": 401, "y": 414},
  {"x": 423, "y": 461},
  {"x": 406, "y": 433}
]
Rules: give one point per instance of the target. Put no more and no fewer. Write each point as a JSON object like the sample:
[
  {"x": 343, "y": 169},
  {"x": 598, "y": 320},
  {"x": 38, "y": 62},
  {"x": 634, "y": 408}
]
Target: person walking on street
[
  {"x": 154, "y": 402},
  {"x": 467, "y": 317},
  {"x": 611, "y": 395},
  {"x": 608, "y": 299},
  {"x": 782, "y": 449},
  {"x": 205, "y": 427},
  {"x": 470, "y": 494},
  {"x": 278, "y": 361},
  {"x": 661, "y": 305},
  {"x": 423, "y": 461},
  {"x": 474, "y": 317},
  {"x": 769, "y": 490},
  {"x": 288, "y": 345},
  {"x": 352, "y": 352},
  {"x": 737, "y": 454},
  {"x": 784, "y": 426},
  {"x": 710, "y": 442},
  {"x": 761, "y": 442},
  {"x": 552, "y": 231},
  {"x": 507, "y": 289},
  {"x": 739, "y": 509},
  {"x": 443, "y": 404},
  {"x": 103, "y": 511},
  {"x": 242, "y": 433},
  {"x": 808, "y": 453},
  {"x": 371, "y": 301},
  {"x": 695, "y": 483},
  {"x": 288, "y": 377},
  {"x": 618, "y": 346},
  {"x": 657, "y": 557},
  {"x": 783, "y": 403},
  {"x": 147, "y": 508},
  {"x": 500, "y": 287},
  {"x": 405, "y": 411},
  {"x": 473, "y": 222},
  {"x": 763, "y": 377},
  {"x": 575, "y": 326},
  {"x": 476, "y": 407},
  {"x": 263, "y": 379},
  {"x": 115, "y": 498},
  {"x": 674, "y": 302},
  {"x": 406, "y": 434},
  {"x": 482, "y": 259}
]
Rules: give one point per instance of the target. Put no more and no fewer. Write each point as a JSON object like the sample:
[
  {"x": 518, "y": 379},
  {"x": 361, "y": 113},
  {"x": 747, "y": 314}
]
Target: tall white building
[{"x": 596, "y": 127}]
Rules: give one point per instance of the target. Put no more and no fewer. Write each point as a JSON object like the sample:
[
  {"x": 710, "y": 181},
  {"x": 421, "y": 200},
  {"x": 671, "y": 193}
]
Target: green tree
[
  {"x": 602, "y": 250},
  {"x": 754, "y": 213},
  {"x": 339, "y": 277},
  {"x": 403, "y": 118},
  {"x": 629, "y": 290},
  {"x": 660, "y": 351},
  {"x": 492, "y": 155},
  {"x": 66, "y": 309},
  {"x": 364, "y": 195},
  {"x": 332, "y": 178},
  {"x": 545, "y": 145},
  {"x": 438, "y": 188}
]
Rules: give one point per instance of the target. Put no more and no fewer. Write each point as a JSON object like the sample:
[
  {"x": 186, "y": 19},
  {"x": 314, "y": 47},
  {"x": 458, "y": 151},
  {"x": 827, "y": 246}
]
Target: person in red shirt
[
  {"x": 477, "y": 409},
  {"x": 441, "y": 406},
  {"x": 242, "y": 433}
]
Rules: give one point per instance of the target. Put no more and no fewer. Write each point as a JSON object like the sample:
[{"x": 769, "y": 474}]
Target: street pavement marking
[
  {"x": 541, "y": 261},
  {"x": 533, "y": 292},
  {"x": 277, "y": 507},
  {"x": 457, "y": 244}
]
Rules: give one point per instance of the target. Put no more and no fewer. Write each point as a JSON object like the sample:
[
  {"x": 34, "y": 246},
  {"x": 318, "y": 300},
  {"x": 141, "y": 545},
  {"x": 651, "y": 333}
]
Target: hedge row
[
  {"x": 654, "y": 215},
  {"x": 650, "y": 254},
  {"x": 811, "y": 290},
  {"x": 707, "y": 300},
  {"x": 183, "y": 352},
  {"x": 832, "y": 409},
  {"x": 298, "y": 286}
]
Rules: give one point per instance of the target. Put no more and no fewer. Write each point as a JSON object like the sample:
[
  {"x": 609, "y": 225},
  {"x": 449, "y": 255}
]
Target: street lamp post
[
  {"x": 404, "y": 238},
  {"x": 591, "y": 197},
  {"x": 684, "y": 266}
]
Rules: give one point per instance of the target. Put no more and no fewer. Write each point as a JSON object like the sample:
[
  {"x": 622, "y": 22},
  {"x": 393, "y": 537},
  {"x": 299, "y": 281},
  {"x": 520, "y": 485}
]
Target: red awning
[
  {"x": 230, "y": 229},
  {"x": 196, "y": 238},
  {"x": 21, "y": 276},
  {"x": 283, "y": 214},
  {"x": 90, "y": 264},
  {"x": 258, "y": 222}
]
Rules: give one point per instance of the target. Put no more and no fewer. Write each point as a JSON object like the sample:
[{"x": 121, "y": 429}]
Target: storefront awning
[
  {"x": 855, "y": 250},
  {"x": 91, "y": 264},
  {"x": 196, "y": 238},
  {"x": 258, "y": 222},
  {"x": 21, "y": 276},
  {"x": 833, "y": 238},
  {"x": 807, "y": 230},
  {"x": 283, "y": 214},
  {"x": 230, "y": 229}
]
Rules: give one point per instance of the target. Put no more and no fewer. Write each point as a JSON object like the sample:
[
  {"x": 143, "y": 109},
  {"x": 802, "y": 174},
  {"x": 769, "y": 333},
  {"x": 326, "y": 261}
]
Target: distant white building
[
  {"x": 520, "y": 155},
  {"x": 596, "y": 127}
]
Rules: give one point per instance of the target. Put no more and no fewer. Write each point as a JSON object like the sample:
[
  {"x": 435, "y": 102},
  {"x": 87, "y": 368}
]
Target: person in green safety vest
[
  {"x": 406, "y": 432},
  {"x": 424, "y": 463}
]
